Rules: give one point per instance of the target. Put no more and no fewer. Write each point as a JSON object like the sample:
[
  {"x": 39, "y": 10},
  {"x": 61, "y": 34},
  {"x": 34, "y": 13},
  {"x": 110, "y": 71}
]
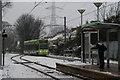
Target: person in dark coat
[{"x": 101, "y": 49}]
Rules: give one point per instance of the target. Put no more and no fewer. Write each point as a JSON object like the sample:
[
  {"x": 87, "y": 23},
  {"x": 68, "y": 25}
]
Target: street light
[
  {"x": 81, "y": 11},
  {"x": 98, "y": 4}
]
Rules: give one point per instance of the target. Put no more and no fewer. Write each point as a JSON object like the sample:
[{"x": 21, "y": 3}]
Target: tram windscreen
[{"x": 43, "y": 44}]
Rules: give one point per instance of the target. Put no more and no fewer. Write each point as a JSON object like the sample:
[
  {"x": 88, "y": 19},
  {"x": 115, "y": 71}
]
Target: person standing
[{"x": 101, "y": 49}]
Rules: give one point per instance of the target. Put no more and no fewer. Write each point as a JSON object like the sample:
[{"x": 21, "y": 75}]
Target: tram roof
[
  {"x": 33, "y": 40},
  {"x": 30, "y": 41}
]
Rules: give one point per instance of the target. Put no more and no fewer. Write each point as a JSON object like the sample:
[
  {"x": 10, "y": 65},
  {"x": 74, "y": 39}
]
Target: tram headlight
[
  {"x": 40, "y": 51},
  {"x": 46, "y": 51}
]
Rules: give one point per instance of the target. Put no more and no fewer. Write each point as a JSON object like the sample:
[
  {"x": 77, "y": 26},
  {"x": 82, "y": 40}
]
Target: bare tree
[
  {"x": 28, "y": 28},
  {"x": 103, "y": 11},
  {"x": 10, "y": 40},
  {"x": 6, "y": 5},
  {"x": 111, "y": 13}
]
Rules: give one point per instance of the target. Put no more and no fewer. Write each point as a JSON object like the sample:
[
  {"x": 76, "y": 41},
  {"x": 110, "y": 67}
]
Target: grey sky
[{"x": 69, "y": 9}]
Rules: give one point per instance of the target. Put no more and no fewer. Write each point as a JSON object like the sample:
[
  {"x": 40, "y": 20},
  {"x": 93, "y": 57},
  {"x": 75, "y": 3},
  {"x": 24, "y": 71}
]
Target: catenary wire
[{"x": 89, "y": 13}]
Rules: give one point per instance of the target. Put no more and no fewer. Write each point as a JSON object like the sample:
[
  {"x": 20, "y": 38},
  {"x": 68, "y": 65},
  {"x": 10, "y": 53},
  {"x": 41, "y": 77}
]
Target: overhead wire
[
  {"x": 35, "y": 6},
  {"x": 89, "y": 13}
]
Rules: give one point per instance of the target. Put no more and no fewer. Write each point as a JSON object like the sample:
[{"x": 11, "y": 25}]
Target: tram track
[
  {"x": 23, "y": 63},
  {"x": 78, "y": 76},
  {"x": 28, "y": 61}
]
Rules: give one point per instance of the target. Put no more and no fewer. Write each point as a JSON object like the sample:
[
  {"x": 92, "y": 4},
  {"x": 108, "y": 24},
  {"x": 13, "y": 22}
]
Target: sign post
[
  {"x": 4, "y": 35},
  {"x": 0, "y": 33}
]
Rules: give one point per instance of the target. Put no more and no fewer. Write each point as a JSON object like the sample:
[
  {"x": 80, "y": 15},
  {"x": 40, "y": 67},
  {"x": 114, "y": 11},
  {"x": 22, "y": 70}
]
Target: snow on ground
[
  {"x": 106, "y": 72},
  {"x": 114, "y": 62},
  {"x": 51, "y": 61},
  {"x": 11, "y": 70},
  {"x": 59, "y": 35}
]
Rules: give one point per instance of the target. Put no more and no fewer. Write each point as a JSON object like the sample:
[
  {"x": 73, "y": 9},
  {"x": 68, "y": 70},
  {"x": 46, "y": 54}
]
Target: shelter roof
[{"x": 99, "y": 25}]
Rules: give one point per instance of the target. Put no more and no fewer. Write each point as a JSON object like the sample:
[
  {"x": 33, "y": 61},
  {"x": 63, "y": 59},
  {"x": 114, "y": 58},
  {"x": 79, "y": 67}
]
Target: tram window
[
  {"x": 25, "y": 47},
  {"x": 43, "y": 41},
  {"x": 44, "y": 46},
  {"x": 31, "y": 46},
  {"x": 35, "y": 47}
]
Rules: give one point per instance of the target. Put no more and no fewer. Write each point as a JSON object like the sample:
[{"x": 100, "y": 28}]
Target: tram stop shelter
[{"x": 109, "y": 27}]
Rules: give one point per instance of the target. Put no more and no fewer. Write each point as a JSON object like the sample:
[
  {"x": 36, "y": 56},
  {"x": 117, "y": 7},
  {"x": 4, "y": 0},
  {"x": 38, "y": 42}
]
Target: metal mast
[
  {"x": 53, "y": 15},
  {"x": 0, "y": 34}
]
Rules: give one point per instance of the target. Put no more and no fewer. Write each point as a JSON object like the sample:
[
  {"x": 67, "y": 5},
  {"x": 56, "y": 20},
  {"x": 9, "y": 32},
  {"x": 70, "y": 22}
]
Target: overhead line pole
[
  {"x": 0, "y": 33},
  {"x": 64, "y": 33}
]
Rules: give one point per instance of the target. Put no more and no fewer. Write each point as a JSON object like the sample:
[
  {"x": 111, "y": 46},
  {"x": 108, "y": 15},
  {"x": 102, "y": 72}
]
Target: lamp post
[
  {"x": 81, "y": 11},
  {"x": 98, "y": 4}
]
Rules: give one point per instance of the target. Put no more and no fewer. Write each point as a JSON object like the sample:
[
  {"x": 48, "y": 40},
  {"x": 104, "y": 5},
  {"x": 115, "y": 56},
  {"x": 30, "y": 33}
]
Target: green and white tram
[{"x": 36, "y": 47}]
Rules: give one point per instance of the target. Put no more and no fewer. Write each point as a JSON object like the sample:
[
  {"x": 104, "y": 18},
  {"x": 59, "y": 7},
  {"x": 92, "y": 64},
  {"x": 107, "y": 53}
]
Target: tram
[{"x": 36, "y": 47}]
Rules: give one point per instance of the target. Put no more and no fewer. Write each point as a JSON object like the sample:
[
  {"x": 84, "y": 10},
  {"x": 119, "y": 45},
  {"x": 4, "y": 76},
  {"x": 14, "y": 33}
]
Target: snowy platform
[{"x": 92, "y": 71}]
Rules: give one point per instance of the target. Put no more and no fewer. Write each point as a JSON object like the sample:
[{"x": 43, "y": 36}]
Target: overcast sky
[{"x": 68, "y": 9}]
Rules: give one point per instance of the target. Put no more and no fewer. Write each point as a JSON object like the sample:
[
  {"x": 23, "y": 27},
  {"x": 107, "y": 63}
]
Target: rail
[{"x": 23, "y": 63}]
